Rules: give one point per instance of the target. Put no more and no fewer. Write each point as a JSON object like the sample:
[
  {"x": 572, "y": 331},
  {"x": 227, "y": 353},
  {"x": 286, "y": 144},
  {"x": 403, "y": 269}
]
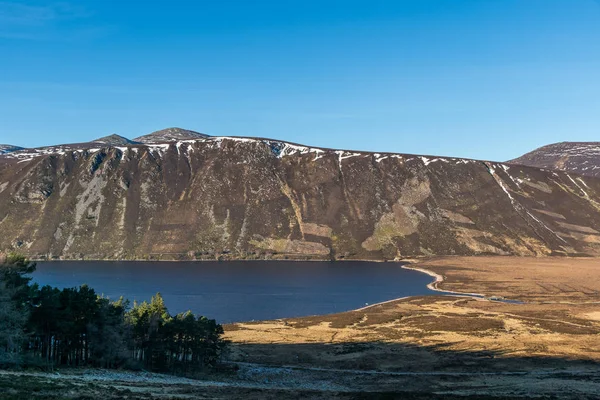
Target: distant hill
[
  {"x": 170, "y": 135},
  {"x": 115, "y": 140},
  {"x": 7, "y": 148},
  {"x": 578, "y": 157},
  {"x": 163, "y": 136},
  {"x": 240, "y": 198}
]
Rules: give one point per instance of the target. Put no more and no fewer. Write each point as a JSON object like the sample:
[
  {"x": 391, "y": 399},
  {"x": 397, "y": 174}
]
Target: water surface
[{"x": 233, "y": 291}]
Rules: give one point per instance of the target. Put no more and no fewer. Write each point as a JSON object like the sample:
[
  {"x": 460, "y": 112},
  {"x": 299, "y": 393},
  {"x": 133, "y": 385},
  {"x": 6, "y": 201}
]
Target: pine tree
[
  {"x": 14, "y": 298},
  {"x": 76, "y": 327}
]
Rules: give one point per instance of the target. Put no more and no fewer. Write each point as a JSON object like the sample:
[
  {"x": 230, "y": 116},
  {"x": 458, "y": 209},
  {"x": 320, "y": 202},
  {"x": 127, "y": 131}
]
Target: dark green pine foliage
[
  {"x": 14, "y": 307},
  {"x": 76, "y": 327},
  {"x": 181, "y": 343}
]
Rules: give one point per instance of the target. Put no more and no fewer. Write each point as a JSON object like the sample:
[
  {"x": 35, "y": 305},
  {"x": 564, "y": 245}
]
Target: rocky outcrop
[{"x": 241, "y": 198}]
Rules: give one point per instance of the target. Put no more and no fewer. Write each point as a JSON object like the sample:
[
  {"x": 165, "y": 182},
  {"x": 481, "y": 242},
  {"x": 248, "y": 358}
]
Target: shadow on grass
[
  {"x": 369, "y": 370},
  {"x": 389, "y": 370}
]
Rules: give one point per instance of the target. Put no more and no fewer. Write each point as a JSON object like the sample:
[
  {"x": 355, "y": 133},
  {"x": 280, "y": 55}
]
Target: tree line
[{"x": 76, "y": 327}]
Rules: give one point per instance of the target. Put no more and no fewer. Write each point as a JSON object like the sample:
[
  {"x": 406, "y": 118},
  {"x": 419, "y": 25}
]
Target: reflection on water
[{"x": 232, "y": 291}]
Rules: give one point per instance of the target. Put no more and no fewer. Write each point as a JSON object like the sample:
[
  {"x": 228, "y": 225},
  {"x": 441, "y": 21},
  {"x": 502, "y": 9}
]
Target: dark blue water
[{"x": 234, "y": 291}]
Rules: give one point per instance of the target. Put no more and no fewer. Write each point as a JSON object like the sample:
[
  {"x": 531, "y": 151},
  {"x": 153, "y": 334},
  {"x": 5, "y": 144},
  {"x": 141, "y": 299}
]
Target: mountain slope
[
  {"x": 579, "y": 157},
  {"x": 248, "y": 198}
]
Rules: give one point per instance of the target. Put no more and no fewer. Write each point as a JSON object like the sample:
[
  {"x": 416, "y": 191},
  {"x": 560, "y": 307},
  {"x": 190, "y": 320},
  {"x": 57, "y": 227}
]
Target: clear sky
[{"x": 488, "y": 79}]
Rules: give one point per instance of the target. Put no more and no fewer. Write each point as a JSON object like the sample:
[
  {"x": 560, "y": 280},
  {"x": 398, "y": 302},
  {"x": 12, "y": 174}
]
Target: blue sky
[{"x": 488, "y": 79}]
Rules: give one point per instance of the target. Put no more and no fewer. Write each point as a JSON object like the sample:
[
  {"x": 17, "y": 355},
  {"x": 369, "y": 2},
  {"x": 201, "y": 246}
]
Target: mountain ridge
[
  {"x": 227, "y": 197},
  {"x": 287, "y": 146},
  {"x": 534, "y": 158}
]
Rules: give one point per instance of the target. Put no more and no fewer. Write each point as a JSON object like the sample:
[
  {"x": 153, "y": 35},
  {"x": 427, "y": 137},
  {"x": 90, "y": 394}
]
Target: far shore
[
  {"x": 215, "y": 260},
  {"x": 412, "y": 260}
]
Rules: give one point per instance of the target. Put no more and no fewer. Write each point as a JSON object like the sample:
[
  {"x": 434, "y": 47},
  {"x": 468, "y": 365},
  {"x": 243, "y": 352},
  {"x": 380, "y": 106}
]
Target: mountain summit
[
  {"x": 170, "y": 135},
  {"x": 114, "y": 140},
  {"x": 578, "y": 157}
]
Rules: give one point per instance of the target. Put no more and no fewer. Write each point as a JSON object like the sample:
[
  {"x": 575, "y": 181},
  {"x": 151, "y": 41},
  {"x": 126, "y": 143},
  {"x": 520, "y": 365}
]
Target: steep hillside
[
  {"x": 579, "y": 157},
  {"x": 248, "y": 198}
]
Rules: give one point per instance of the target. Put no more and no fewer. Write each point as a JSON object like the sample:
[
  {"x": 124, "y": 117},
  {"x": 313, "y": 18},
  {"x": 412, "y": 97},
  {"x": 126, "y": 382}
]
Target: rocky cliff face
[
  {"x": 255, "y": 198},
  {"x": 578, "y": 157}
]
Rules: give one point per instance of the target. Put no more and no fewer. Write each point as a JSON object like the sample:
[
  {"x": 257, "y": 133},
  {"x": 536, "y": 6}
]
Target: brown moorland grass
[{"x": 573, "y": 280}]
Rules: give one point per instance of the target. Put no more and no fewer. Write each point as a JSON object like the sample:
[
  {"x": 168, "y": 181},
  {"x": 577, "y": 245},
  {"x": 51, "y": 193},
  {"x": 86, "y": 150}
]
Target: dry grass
[{"x": 554, "y": 280}]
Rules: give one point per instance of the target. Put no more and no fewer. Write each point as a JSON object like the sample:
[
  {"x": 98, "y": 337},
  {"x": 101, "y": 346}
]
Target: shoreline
[
  {"x": 212, "y": 260},
  {"x": 415, "y": 260},
  {"x": 407, "y": 264},
  {"x": 432, "y": 286},
  {"x": 438, "y": 280}
]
